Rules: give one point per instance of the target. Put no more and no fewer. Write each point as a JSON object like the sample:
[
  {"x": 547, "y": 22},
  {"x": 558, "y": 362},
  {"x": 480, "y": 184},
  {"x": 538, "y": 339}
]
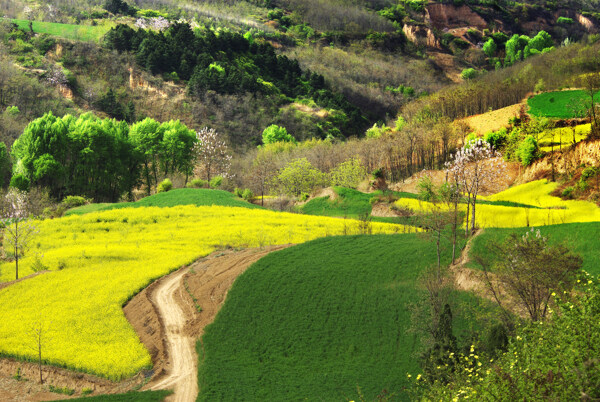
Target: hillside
[{"x": 299, "y": 199}]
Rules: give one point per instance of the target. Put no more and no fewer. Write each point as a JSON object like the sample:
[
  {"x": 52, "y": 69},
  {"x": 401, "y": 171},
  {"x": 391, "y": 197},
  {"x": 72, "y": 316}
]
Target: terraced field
[
  {"x": 538, "y": 207},
  {"x": 560, "y": 104}
]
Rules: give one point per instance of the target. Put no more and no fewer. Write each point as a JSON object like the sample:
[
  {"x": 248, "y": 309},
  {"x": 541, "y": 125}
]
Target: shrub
[
  {"x": 197, "y": 183},
  {"x": 568, "y": 192},
  {"x": 497, "y": 139},
  {"x": 468, "y": 74},
  {"x": 20, "y": 181},
  {"x": 299, "y": 177},
  {"x": 589, "y": 172},
  {"x": 349, "y": 173},
  {"x": 564, "y": 20},
  {"x": 238, "y": 192},
  {"x": 527, "y": 150},
  {"x": 164, "y": 186},
  {"x": 275, "y": 133},
  {"x": 378, "y": 174},
  {"x": 72, "y": 201},
  {"x": 248, "y": 195},
  {"x": 216, "y": 182},
  {"x": 304, "y": 196}
]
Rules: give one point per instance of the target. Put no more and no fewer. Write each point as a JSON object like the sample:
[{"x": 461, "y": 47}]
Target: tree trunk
[{"x": 473, "y": 214}]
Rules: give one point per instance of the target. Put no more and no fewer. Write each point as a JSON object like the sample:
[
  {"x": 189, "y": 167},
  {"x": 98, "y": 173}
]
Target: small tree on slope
[{"x": 18, "y": 228}]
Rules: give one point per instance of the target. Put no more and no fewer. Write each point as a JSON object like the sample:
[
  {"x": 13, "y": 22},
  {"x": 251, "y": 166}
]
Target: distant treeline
[{"x": 228, "y": 63}]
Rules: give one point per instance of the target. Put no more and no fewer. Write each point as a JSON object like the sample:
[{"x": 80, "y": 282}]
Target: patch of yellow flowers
[
  {"x": 537, "y": 193},
  {"x": 99, "y": 261}
]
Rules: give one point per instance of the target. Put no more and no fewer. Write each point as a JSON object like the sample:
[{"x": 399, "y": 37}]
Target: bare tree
[
  {"x": 477, "y": 167},
  {"x": 529, "y": 270},
  {"x": 262, "y": 172},
  {"x": 18, "y": 227}
]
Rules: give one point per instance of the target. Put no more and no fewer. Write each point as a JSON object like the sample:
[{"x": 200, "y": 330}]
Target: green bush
[
  {"x": 72, "y": 201},
  {"x": 348, "y": 173},
  {"x": 589, "y": 172},
  {"x": 248, "y": 195},
  {"x": 164, "y": 186},
  {"x": 304, "y": 196},
  {"x": 216, "y": 182},
  {"x": 568, "y": 192},
  {"x": 527, "y": 150},
  {"x": 20, "y": 181},
  {"x": 468, "y": 74},
  {"x": 238, "y": 192},
  {"x": 197, "y": 183},
  {"x": 497, "y": 139},
  {"x": 565, "y": 20}
]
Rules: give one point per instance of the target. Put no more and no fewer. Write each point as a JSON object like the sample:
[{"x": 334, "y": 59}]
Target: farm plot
[
  {"x": 560, "y": 104},
  {"x": 98, "y": 261},
  {"x": 323, "y": 320},
  {"x": 68, "y": 31},
  {"x": 543, "y": 209},
  {"x": 563, "y": 137}
]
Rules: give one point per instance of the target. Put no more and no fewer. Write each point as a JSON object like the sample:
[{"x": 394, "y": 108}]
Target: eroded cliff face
[
  {"x": 421, "y": 36},
  {"x": 587, "y": 23},
  {"x": 442, "y": 16},
  {"x": 137, "y": 81}
]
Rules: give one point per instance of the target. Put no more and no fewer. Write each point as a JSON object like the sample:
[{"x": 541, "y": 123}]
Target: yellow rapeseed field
[
  {"x": 98, "y": 261},
  {"x": 537, "y": 193}
]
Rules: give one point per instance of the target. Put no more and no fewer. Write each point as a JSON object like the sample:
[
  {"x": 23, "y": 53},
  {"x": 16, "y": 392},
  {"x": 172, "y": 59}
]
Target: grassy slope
[
  {"x": 182, "y": 196},
  {"x": 67, "y": 31},
  {"x": 560, "y": 104},
  {"x": 317, "y": 320},
  {"x": 582, "y": 238}
]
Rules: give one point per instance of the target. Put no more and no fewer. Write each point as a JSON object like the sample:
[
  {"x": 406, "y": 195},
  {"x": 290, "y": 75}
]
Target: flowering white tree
[
  {"x": 212, "y": 154},
  {"x": 476, "y": 167},
  {"x": 155, "y": 23},
  {"x": 18, "y": 228}
]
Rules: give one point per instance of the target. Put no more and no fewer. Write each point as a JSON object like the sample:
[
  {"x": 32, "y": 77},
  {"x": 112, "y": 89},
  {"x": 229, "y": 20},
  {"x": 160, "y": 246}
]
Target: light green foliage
[
  {"x": 490, "y": 47},
  {"x": 469, "y": 74},
  {"x": 248, "y": 195},
  {"x": 73, "y": 201},
  {"x": 216, "y": 182},
  {"x": 164, "y": 186},
  {"x": 377, "y": 131},
  {"x": 337, "y": 305},
  {"x": 275, "y": 133},
  {"x": 538, "y": 44},
  {"x": 299, "y": 176},
  {"x": 565, "y": 20},
  {"x": 12, "y": 110},
  {"x": 527, "y": 150},
  {"x": 197, "y": 183},
  {"x": 497, "y": 139},
  {"x": 349, "y": 173}
]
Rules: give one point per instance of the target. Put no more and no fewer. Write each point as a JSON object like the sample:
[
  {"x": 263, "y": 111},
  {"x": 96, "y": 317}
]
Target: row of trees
[{"x": 104, "y": 159}]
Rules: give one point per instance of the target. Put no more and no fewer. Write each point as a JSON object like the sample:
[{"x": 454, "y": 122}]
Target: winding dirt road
[
  {"x": 182, "y": 375},
  {"x": 207, "y": 281}
]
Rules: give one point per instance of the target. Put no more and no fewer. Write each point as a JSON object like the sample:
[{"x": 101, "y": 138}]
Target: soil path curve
[
  {"x": 176, "y": 299},
  {"x": 182, "y": 374}
]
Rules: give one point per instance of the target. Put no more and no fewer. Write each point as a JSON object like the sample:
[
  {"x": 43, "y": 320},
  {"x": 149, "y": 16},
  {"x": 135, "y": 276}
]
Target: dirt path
[
  {"x": 175, "y": 298},
  {"x": 182, "y": 376}
]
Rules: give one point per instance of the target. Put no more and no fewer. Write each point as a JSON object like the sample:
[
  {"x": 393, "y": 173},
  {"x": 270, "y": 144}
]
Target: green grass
[
  {"x": 314, "y": 321},
  {"x": 560, "y": 104},
  {"x": 349, "y": 203},
  {"x": 582, "y": 238},
  {"x": 146, "y": 396},
  {"x": 181, "y": 196},
  {"x": 86, "y": 33}
]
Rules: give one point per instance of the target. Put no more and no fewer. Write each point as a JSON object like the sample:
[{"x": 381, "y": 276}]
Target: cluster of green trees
[
  {"x": 228, "y": 63},
  {"x": 101, "y": 159},
  {"x": 517, "y": 47}
]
